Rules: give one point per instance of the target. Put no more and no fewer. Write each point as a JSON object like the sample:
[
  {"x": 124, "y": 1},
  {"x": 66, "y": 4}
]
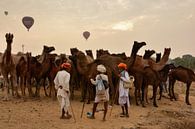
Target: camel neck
[{"x": 8, "y": 53}]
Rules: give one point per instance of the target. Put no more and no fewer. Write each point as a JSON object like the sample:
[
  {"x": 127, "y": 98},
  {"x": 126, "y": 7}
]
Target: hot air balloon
[
  {"x": 6, "y": 13},
  {"x": 28, "y": 22},
  {"x": 86, "y": 34}
]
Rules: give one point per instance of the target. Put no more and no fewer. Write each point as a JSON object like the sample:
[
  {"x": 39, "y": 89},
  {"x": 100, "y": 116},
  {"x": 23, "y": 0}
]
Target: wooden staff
[{"x": 72, "y": 112}]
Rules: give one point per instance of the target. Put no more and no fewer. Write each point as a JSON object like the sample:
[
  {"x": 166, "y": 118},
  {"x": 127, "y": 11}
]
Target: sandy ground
[{"x": 44, "y": 114}]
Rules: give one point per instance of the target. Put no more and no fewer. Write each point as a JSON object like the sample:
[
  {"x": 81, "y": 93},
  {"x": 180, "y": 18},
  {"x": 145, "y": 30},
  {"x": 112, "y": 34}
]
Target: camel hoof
[
  {"x": 155, "y": 105},
  {"x": 188, "y": 103}
]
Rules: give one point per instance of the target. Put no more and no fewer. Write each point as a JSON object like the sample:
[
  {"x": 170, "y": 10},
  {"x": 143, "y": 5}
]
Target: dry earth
[{"x": 44, "y": 114}]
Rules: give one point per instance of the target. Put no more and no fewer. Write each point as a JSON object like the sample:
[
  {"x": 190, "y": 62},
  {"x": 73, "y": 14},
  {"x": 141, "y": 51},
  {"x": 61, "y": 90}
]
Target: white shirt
[
  {"x": 124, "y": 78},
  {"x": 62, "y": 79}
]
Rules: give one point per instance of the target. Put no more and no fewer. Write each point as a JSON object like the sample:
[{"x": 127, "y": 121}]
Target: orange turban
[
  {"x": 122, "y": 65},
  {"x": 66, "y": 65}
]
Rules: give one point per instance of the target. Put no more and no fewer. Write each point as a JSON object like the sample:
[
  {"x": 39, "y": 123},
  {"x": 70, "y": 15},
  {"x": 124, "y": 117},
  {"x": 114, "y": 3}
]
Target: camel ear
[
  {"x": 6, "y": 35},
  {"x": 12, "y": 36}
]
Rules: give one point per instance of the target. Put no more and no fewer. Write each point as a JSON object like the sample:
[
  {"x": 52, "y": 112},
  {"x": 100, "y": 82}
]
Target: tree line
[{"x": 185, "y": 61}]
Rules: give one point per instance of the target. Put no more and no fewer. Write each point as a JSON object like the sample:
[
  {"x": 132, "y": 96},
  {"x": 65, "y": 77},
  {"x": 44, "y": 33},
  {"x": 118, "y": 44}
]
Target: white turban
[{"x": 101, "y": 68}]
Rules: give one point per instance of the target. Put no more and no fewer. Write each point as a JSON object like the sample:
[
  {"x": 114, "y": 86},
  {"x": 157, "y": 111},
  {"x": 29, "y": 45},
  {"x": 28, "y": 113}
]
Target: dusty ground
[{"x": 44, "y": 114}]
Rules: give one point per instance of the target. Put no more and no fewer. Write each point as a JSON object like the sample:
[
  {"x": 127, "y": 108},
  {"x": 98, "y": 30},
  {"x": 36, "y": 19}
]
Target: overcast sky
[{"x": 113, "y": 24}]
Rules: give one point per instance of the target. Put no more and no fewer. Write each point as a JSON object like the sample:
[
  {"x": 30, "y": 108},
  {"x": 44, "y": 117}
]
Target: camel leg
[
  {"x": 136, "y": 96},
  {"x": 154, "y": 95},
  {"x": 161, "y": 90},
  {"x": 29, "y": 87},
  {"x": 24, "y": 85},
  {"x": 146, "y": 94},
  {"x": 172, "y": 90},
  {"x": 171, "y": 83},
  {"x": 44, "y": 86},
  {"x": 6, "y": 98},
  {"x": 14, "y": 84},
  {"x": 21, "y": 85},
  {"x": 143, "y": 95},
  {"x": 187, "y": 93},
  {"x": 12, "y": 87},
  {"x": 38, "y": 86}
]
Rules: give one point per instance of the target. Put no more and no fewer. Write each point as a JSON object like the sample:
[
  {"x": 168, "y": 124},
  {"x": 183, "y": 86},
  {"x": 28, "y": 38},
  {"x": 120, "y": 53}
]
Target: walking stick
[
  {"x": 72, "y": 112},
  {"x": 114, "y": 98},
  {"x": 83, "y": 108},
  {"x": 83, "y": 103}
]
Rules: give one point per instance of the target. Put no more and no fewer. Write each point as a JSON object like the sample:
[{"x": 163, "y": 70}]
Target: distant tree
[{"x": 186, "y": 61}]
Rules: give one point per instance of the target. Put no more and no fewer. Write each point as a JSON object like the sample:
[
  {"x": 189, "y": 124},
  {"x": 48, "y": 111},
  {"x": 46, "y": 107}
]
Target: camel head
[
  {"x": 136, "y": 46},
  {"x": 88, "y": 52},
  {"x": 167, "y": 51},
  {"x": 101, "y": 52},
  {"x": 47, "y": 49},
  {"x": 80, "y": 55},
  {"x": 74, "y": 51},
  {"x": 9, "y": 38},
  {"x": 148, "y": 53},
  {"x": 158, "y": 57}
]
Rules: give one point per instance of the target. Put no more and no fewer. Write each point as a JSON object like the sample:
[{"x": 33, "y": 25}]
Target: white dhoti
[
  {"x": 63, "y": 99},
  {"x": 123, "y": 100}
]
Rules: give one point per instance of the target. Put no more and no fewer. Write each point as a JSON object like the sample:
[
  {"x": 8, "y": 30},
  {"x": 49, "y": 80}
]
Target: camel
[
  {"x": 80, "y": 62},
  {"x": 151, "y": 77},
  {"x": 138, "y": 74},
  {"x": 8, "y": 67},
  {"x": 182, "y": 74},
  {"x": 139, "y": 65},
  {"x": 164, "y": 73},
  {"x": 21, "y": 73},
  {"x": 38, "y": 70}
]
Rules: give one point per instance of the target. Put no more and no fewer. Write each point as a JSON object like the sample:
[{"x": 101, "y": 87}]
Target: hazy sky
[{"x": 114, "y": 25}]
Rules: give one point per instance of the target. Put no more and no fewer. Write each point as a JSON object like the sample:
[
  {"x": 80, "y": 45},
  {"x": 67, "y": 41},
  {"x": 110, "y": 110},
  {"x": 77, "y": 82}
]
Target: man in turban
[{"x": 61, "y": 82}]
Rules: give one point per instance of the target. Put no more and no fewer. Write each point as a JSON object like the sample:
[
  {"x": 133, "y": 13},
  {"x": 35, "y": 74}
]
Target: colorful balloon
[
  {"x": 6, "y": 13},
  {"x": 28, "y": 22},
  {"x": 86, "y": 34}
]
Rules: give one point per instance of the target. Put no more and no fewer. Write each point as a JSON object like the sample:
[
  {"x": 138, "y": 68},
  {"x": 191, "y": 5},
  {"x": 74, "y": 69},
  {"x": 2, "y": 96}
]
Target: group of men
[{"x": 102, "y": 90}]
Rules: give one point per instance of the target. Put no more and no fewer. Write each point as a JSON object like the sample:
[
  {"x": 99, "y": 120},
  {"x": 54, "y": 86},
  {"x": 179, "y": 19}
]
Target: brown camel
[
  {"x": 150, "y": 77},
  {"x": 139, "y": 65},
  {"x": 182, "y": 74},
  {"x": 38, "y": 70},
  {"x": 8, "y": 67},
  {"x": 139, "y": 76},
  {"x": 21, "y": 72},
  {"x": 80, "y": 62}
]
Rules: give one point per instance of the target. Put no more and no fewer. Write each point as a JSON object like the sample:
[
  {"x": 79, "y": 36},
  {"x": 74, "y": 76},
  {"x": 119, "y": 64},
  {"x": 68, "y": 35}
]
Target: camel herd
[{"x": 22, "y": 70}]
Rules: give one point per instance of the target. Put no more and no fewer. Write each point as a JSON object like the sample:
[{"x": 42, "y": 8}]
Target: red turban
[
  {"x": 122, "y": 65},
  {"x": 66, "y": 65}
]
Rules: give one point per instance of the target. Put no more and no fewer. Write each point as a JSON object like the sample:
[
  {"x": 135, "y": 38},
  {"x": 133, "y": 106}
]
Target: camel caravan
[{"x": 21, "y": 71}]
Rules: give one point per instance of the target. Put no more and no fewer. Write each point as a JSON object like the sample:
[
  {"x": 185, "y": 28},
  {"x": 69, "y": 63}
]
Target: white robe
[
  {"x": 97, "y": 98},
  {"x": 62, "y": 79},
  {"x": 124, "y": 93}
]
